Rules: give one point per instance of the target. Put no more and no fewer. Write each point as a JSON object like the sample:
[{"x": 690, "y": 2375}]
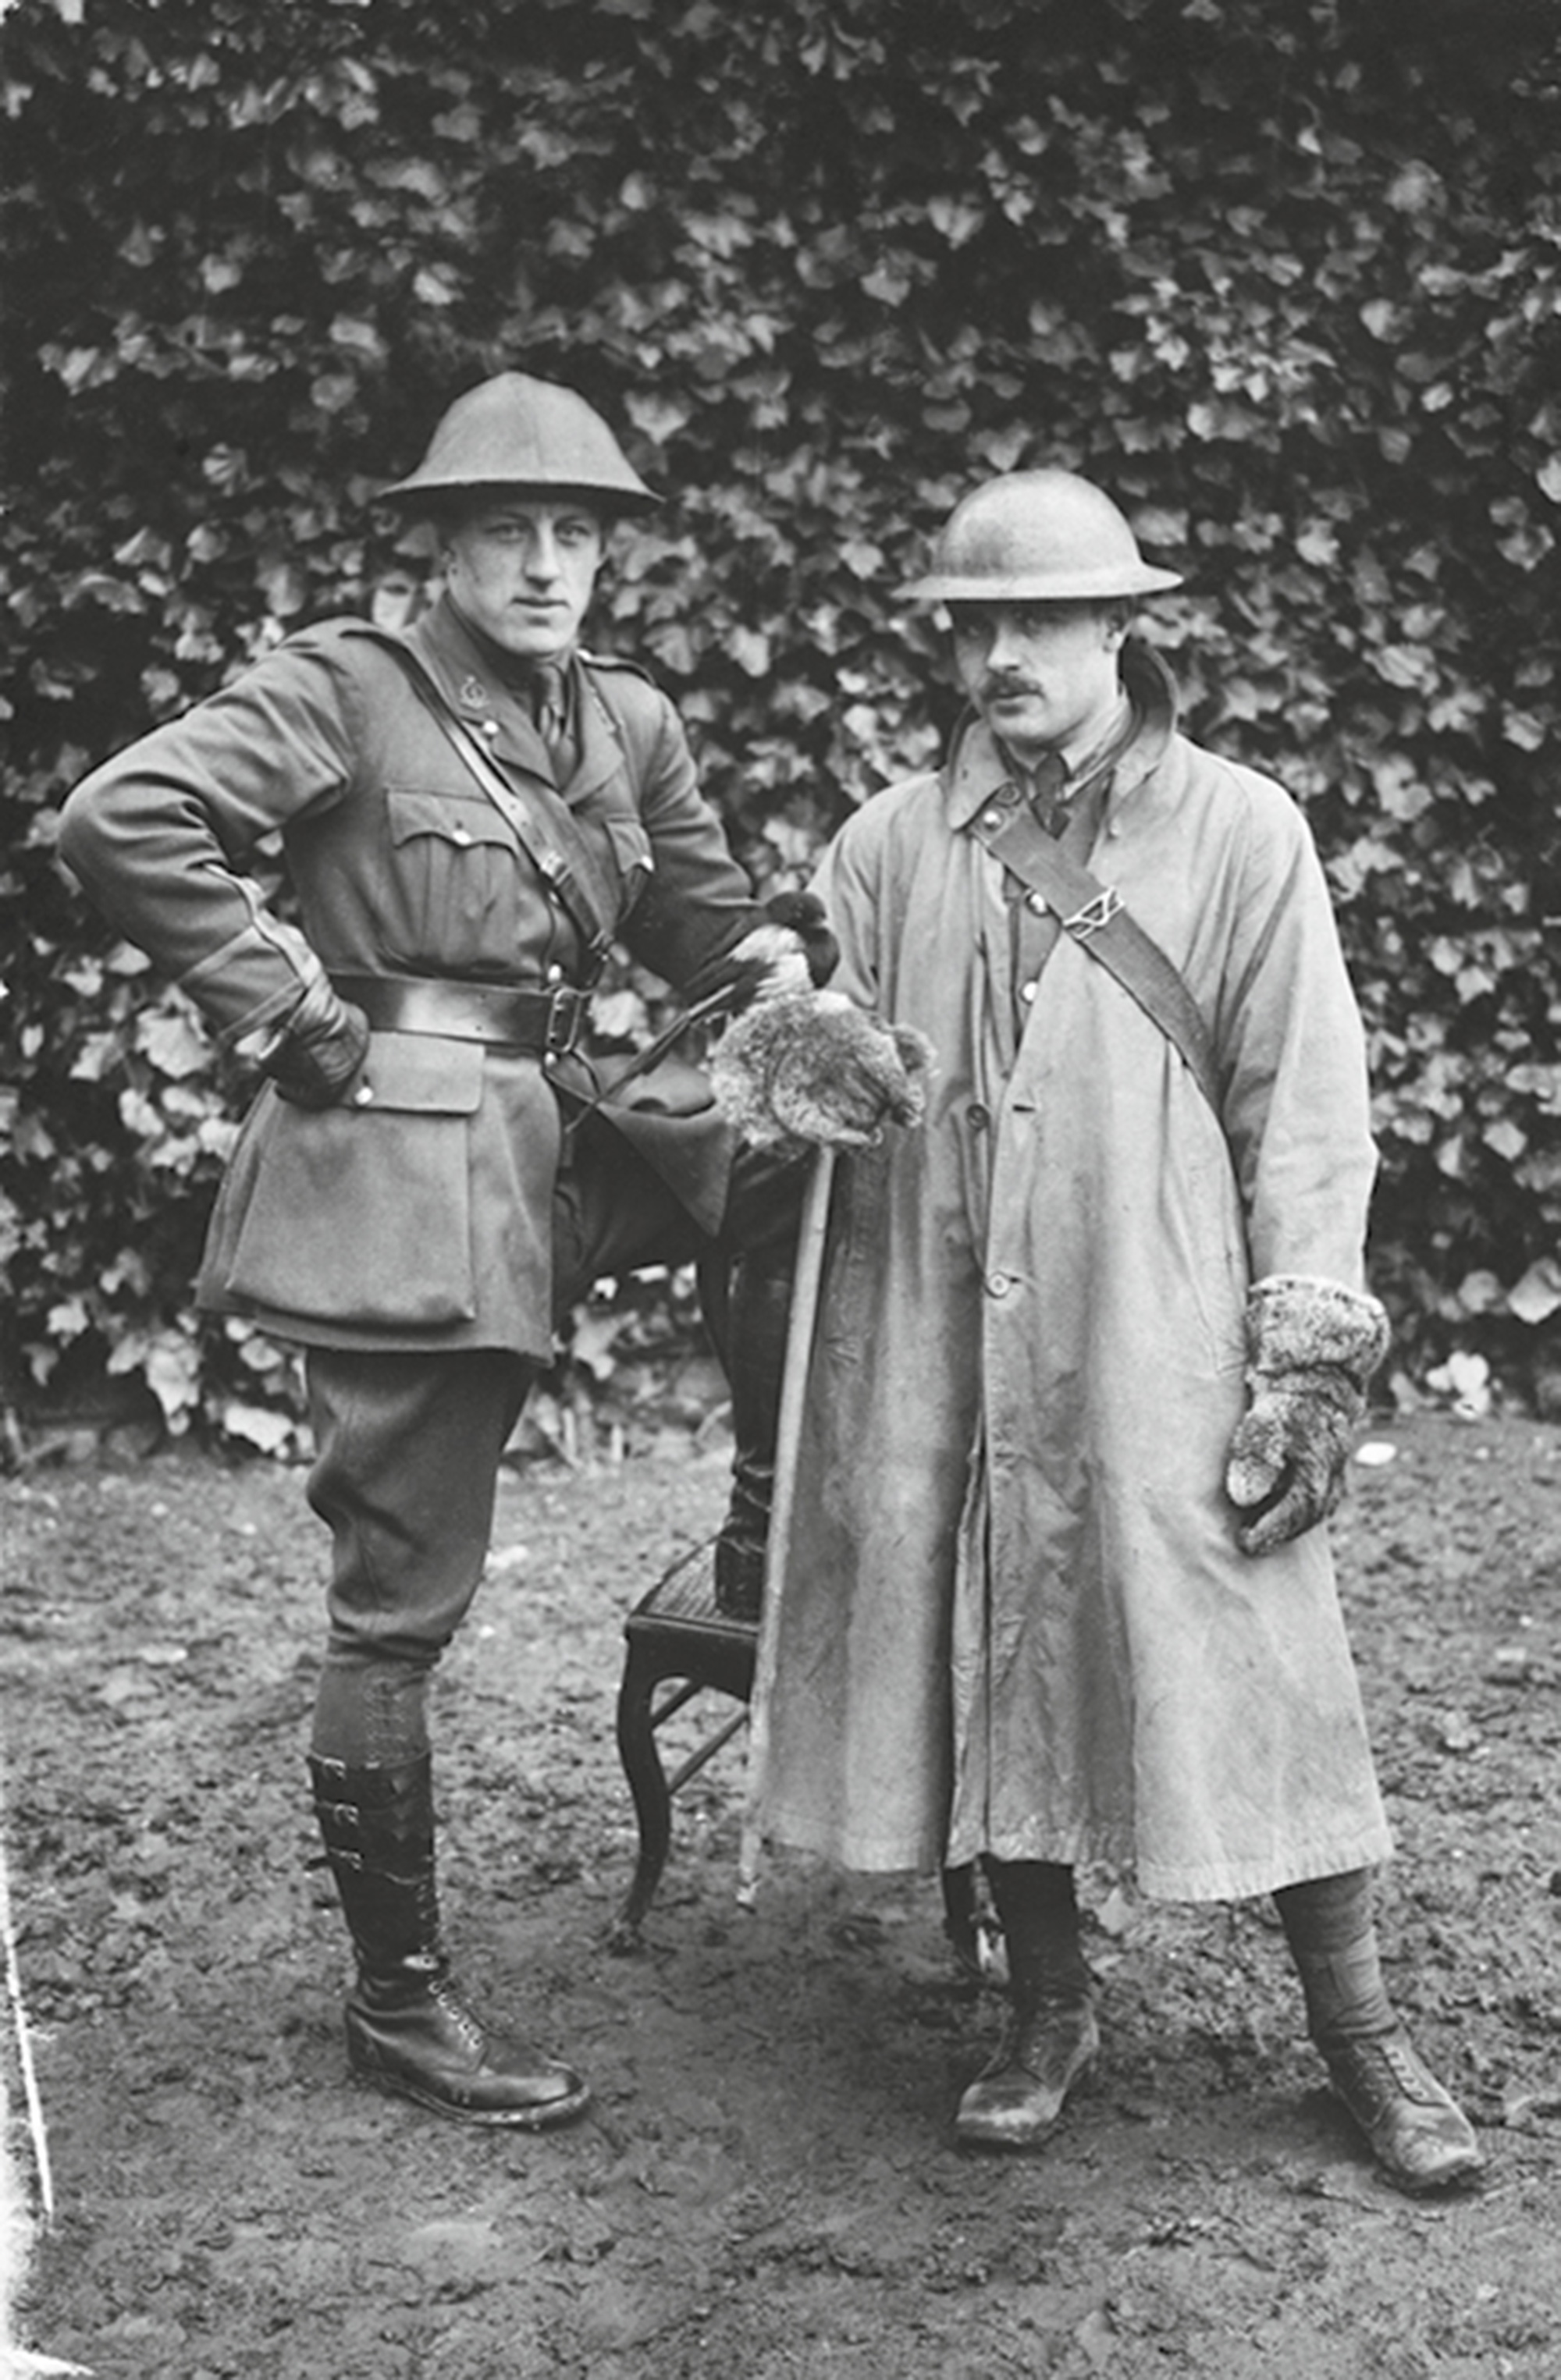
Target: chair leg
[{"x": 653, "y": 1799}]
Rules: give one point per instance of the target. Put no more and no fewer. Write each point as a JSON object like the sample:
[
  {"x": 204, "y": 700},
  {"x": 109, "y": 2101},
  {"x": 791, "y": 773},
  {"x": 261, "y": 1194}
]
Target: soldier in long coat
[
  {"x": 1091, "y": 1346},
  {"x": 423, "y": 1183}
]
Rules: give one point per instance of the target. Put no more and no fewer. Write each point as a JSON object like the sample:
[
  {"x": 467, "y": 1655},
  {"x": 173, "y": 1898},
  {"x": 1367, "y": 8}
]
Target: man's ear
[{"x": 1116, "y": 621}]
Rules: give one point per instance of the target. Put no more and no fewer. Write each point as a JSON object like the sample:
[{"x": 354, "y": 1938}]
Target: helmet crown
[
  {"x": 1041, "y": 536},
  {"x": 514, "y": 432}
]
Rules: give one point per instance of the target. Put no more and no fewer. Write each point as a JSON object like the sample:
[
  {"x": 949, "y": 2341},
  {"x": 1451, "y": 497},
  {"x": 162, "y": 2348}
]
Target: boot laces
[{"x": 442, "y": 1992}]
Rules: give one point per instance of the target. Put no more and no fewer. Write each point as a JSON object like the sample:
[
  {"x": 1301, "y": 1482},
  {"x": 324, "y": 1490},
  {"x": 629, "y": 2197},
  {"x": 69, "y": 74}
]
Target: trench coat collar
[
  {"x": 478, "y": 688},
  {"x": 977, "y": 766}
]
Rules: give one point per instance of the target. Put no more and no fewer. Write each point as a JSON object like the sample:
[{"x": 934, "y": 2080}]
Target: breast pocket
[{"x": 453, "y": 883}]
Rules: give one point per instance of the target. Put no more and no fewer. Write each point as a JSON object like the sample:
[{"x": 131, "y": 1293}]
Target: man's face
[
  {"x": 1042, "y": 676},
  {"x": 522, "y": 571}
]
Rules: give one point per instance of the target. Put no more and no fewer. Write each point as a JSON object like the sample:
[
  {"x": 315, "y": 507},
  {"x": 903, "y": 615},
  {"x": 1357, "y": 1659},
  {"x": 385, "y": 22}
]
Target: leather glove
[
  {"x": 812, "y": 1068},
  {"x": 804, "y": 913},
  {"x": 1311, "y": 1346},
  {"x": 793, "y": 950},
  {"x": 319, "y": 1048}
]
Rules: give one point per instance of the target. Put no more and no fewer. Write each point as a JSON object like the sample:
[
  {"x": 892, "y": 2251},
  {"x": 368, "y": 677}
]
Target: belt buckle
[
  {"x": 1094, "y": 914},
  {"x": 565, "y": 1018}
]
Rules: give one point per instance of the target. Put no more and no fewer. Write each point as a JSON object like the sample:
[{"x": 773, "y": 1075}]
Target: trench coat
[
  {"x": 1012, "y": 1617},
  {"x": 416, "y": 1215}
]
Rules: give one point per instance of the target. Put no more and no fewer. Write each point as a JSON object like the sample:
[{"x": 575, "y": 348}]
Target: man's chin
[
  {"x": 1023, "y": 727},
  {"x": 534, "y": 641}
]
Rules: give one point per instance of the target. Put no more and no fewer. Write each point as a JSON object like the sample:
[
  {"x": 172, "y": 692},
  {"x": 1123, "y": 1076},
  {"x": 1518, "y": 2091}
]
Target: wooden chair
[{"x": 675, "y": 1636}]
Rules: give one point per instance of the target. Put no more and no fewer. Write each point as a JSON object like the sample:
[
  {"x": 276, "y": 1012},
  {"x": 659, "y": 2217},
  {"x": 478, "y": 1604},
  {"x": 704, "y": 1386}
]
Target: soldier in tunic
[{"x": 426, "y": 1182}]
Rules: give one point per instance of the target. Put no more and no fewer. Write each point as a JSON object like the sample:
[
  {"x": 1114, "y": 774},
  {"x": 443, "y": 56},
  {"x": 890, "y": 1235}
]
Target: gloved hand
[
  {"x": 804, "y": 913},
  {"x": 320, "y": 1047},
  {"x": 792, "y": 951},
  {"x": 811, "y": 1067},
  {"x": 1312, "y": 1347}
]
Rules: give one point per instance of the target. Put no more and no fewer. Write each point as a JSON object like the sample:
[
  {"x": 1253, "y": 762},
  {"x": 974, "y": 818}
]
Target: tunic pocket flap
[
  {"x": 461, "y": 823},
  {"x": 631, "y": 844},
  {"x": 419, "y": 1073}
]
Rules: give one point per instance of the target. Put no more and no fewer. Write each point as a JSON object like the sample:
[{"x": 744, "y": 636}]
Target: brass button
[
  {"x": 1035, "y": 903},
  {"x": 364, "y": 1097},
  {"x": 1028, "y": 992},
  {"x": 999, "y": 1284},
  {"x": 977, "y": 1116},
  {"x": 462, "y": 837}
]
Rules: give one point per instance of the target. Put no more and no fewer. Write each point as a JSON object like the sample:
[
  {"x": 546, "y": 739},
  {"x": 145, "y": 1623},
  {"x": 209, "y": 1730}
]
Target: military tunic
[{"x": 417, "y": 1215}]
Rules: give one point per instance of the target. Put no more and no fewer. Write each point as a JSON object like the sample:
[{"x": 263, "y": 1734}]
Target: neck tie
[
  {"x": 550, "y": 708},
  {"x": 1048, "y": 796}
]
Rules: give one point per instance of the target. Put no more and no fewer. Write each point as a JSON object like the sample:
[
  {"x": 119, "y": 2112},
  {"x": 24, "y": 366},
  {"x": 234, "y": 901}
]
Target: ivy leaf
[
  {"x": 175, "y": 1044},
  {"x": 1538, "y": 1296}
]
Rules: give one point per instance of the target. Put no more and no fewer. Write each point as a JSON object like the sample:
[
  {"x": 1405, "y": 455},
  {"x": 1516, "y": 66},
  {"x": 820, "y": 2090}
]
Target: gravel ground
[{"x": 765, "y": 2185}]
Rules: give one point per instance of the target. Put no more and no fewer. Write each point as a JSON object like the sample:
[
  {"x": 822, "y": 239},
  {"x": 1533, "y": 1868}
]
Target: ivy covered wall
[{"x": 1284, "y": 275}]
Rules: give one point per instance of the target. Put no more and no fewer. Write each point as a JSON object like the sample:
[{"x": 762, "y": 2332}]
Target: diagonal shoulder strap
[
  {"x": 543, "y": 826},
  {"x": 1092, "y": 913}
]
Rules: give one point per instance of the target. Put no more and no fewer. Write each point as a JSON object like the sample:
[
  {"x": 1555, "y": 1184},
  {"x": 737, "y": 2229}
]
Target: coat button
[
  {"x": 1035, "y": 903},
  {"x": 977, "y": 1116},
  {"x": 488, "y": 726},
  {"x": 1028, "y": 992},
  {"x": 364, "y": 1097},
  {"x": 992, "y": 821},
  {"x": 999, "y": 1284},
  {"x": 461, "y": 837}
]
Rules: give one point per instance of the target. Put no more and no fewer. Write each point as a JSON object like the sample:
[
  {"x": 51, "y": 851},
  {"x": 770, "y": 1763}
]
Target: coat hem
[
  {"x": 1249, "y": 1880},
  {"x": 1214, "y": 1880},
  {"x": 856, "y": 1854},
  {"x": 1154, "y": 1880},
  {"x": 344, "y": 1338}
]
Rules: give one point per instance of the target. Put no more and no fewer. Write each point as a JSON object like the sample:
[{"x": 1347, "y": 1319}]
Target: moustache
[{"x": 993, "y": 689}]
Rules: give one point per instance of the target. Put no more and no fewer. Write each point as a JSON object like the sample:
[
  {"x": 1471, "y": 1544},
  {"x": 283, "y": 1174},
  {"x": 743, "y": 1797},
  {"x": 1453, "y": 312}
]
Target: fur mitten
[
  {"x": 1311, "y": 1346},
  {"x": 811, "y": 1067}
]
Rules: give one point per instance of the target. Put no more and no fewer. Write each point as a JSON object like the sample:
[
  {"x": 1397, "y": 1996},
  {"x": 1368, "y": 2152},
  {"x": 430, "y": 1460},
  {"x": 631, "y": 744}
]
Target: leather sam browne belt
[{"x": 541, "y": 1022}]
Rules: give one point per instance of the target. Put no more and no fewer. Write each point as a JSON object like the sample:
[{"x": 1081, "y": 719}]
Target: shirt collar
[
  {"x": 477, "y": 675},
  {"x": 978, "y": 767}
]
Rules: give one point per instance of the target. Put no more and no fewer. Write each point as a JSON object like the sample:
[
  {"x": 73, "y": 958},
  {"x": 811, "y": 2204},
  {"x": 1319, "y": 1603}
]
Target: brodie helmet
[
  {"x": 524, "y": 434},
  {"x": 1036, "y": 537}
]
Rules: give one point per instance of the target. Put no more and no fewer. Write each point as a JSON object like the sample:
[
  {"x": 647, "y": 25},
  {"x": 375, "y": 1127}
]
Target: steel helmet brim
[
  {"x": 429, "y": 491},
  {"x": 1035, "y": 586},
  {"x": 1041, "y": 536}
]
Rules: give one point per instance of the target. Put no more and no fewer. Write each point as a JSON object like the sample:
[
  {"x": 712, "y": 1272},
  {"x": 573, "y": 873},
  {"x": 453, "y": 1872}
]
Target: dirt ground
[{"x": 765, "y": 2185}]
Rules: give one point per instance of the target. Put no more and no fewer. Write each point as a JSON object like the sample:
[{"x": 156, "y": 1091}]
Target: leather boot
[
  {"x": 407, "y": 2028},
  {"x": 759, "y": 1312},
  {"x": 1051, "y": 2039},
  {"x": 1416, "y": 2130}
]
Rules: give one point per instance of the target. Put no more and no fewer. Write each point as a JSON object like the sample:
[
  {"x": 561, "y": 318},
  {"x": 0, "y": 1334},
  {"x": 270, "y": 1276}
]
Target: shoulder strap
[
  {"x": 549, "y": 839},
  {"x": 1092, "y": 913}
]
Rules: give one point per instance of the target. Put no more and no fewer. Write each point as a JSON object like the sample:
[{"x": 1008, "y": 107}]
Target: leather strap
[
  {"x": 541, "y": 1024},
  {"x": 549, "y": 838},
  {"x": 1092, "y": 913}
]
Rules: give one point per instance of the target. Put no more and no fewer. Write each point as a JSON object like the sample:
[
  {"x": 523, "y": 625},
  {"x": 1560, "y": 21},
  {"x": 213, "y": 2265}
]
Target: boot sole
[{"x": 540, "y": 2118}]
